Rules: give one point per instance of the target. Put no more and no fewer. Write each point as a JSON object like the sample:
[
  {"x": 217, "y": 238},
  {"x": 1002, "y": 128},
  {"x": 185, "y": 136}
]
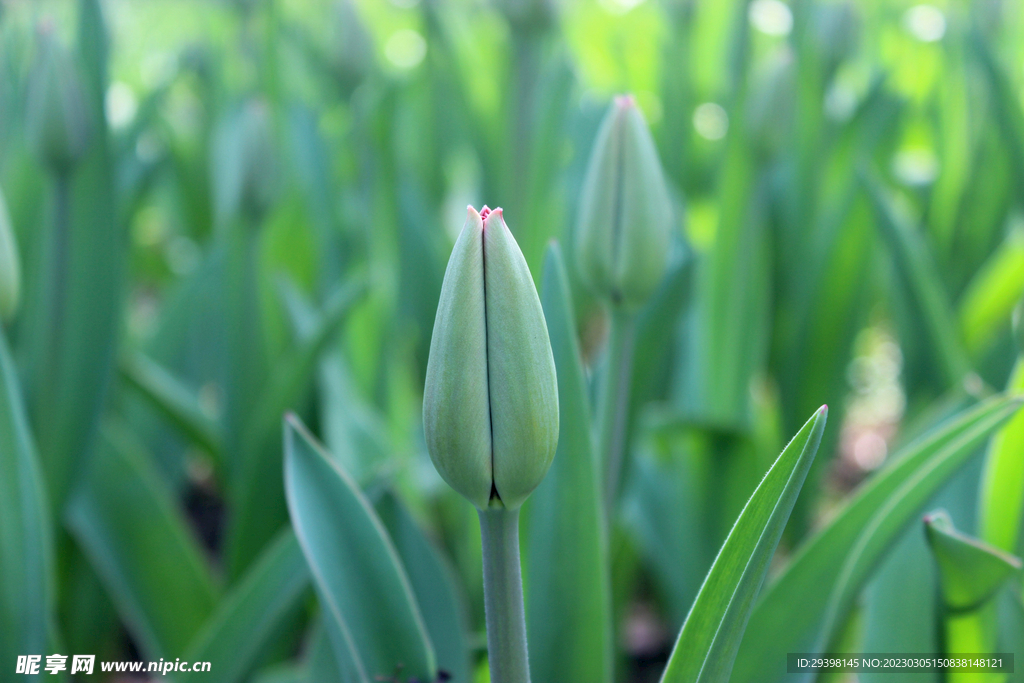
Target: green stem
[
  {"x": 614, "y": 401},
  {"x": 503, "y": 596}
]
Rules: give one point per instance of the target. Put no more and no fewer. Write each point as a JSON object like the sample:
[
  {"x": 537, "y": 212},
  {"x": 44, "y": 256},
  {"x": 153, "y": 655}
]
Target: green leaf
[
  {"x": 26, "y": 563},
  {"x": 991, "y": 295},
  {"x": 970, "y": 571},
  {"x": 788, "y": 616},
  {"x": 127, "y": 524},
  {"x": 568, "y": 587},
  {"x": 712, "y": 632},
  {"x": 173, "y": 400},
  {"x": 239, "y": 629},
  {"x": 889, "y": 519},
  {"x": 433, "y": 583},
  {"x": 916, "y": 266},
  {"x": 373, "y": 619},
  {"x": 1002, "y": 482},
  {"x": 256, "y": 498}
]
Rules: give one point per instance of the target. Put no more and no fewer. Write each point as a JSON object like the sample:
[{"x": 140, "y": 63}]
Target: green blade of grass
[
  {"x": 372, "y": 616},
  {"x": 235, "y": 635},
  {"x": 126, "y": 522},
  {"x": 712, "y": 632},
  {"x": 26, "y": 563},
  {"x": 569, "y": 598},
  {"x": 788, "y": 617}
]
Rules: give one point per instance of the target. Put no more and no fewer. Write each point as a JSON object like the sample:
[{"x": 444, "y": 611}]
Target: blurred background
[{"x": 225, "y": 210}]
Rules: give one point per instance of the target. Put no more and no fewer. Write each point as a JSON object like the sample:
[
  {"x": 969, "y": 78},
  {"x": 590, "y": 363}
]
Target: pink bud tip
[
  {"x": 625, "y": 101},
  {"x": 484, "y": 212}
]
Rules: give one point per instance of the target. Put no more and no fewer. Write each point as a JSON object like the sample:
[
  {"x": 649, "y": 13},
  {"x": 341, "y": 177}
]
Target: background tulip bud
[
  {"x": 490, "y": 401},
  {"x": 625, "y": 212},
  {"x": 10, "y": 270},
  {"x": 246, "y": 163},
  {"x": 57, "y": 122}
]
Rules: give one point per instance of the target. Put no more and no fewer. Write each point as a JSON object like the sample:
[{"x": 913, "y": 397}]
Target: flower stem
[
  {"x": 614, "y": 401},
  {"x": 503, "y": 596}
]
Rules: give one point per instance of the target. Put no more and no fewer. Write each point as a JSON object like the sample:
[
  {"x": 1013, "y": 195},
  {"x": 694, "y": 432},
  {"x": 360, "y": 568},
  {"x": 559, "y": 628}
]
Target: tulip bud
[
  {"x": 58, "y": 125},
  {"x": 625, "y": 213},
  {"x": 490, "y": 401},
  {"x": 245, "y": 162},
  {"x": 10, "y": 270},
  {"x": 770, "y": 106},
  {"x": 352, "y": 47},
  {"x": 1018, "y": 326}
]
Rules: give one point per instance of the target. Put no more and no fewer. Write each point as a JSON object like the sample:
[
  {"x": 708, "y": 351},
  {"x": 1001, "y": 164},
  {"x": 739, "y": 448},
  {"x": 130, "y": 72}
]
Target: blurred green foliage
[{"x": 217, "y": 212}]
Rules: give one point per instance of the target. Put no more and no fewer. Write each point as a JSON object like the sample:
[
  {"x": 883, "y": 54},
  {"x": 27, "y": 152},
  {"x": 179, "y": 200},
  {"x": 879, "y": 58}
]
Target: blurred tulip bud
[
  {"x": 770, "y": 106},
  {"x": 528, "y": 13},
  {"x": 836, "y": 32},
  {"x": 58, "y": 124},
  {"x": 490, "y": 402},
  {"x": 352, "y": 47},
  {"x": 245, "y": 162},
  {"x": 625, "y": 213},
  {"x": 1018, "y": 325},
  {"x": 10, "y": 269}
]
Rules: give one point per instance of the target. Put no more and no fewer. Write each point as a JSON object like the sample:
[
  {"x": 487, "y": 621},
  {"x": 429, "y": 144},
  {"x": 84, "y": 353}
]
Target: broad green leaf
[
  {"x": 1002, "y": 483},
  {"x": 917, "y": 268},
  {"x": 788, "y": 617},
  {"x": 433, "y": 583},
  {"x": 886, "y": 523},
  {"x": 372, "y": 616},
  {"x": 712, "y": 632},
  {"x": 26, "y": 562},
  {"x": 127, "y": 523},
  {"x": 970, "y": 571},
  {"x": 992, "y": 293},
  {"x": 257, "y": 501},
  {"x": 568, "y": 588},
  {"x": 173, "y": 400},
  {"x": 239, "y": 629}
]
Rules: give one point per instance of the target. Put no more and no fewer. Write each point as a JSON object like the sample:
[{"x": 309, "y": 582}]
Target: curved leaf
[
  {"x": 433, "y": 583},
  {"x": 126, "y": 523},
  {"x": 372, "y": 617},
  {"x": 568, "y": 587},
  {"x": 712, "y": 632},
  {"x": 238, "y": 630},
  {"x": 788, "y": 615},
  {"x": 26, "y": 564},
  {"x": 970, "y": 571}
]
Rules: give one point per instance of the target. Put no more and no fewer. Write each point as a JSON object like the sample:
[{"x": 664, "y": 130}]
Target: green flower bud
[
  {"x": 625, "y": 213},
  {"x": 10, "y": 270},
  {"x": 58, "y": 125},
  {"x": 246, "y": 162},
  {"x": 490, "y": 402},
  {"x": 770, "y": 106}
]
